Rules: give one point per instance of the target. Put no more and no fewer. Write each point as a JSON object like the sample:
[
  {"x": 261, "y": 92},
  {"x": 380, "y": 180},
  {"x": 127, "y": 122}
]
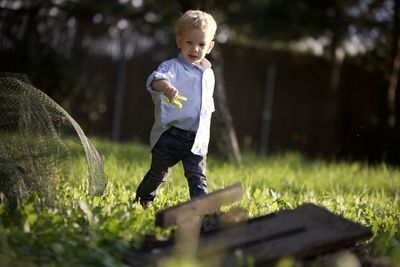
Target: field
[{"x": 81, "y": 231}]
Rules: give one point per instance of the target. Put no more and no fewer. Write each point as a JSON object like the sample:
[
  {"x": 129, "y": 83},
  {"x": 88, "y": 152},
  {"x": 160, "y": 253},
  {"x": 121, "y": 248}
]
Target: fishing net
[{"x": 35, "y": 133}]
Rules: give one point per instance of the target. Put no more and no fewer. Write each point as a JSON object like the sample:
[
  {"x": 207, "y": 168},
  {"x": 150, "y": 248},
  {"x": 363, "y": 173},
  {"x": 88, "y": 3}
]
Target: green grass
[{"x": 82, "y": 231}]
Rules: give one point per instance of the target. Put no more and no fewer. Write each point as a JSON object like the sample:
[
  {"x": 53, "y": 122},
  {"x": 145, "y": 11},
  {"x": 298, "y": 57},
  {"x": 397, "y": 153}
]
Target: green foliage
[
  {"x": 278, "y": 23},
  {"x": 45, "y": 40},
  {"x": 82, "y": 231}
]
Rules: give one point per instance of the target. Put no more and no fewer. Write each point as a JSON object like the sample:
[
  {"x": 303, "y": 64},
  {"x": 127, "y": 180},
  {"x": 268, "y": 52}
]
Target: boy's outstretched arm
[{"x": 166, "y": 88}]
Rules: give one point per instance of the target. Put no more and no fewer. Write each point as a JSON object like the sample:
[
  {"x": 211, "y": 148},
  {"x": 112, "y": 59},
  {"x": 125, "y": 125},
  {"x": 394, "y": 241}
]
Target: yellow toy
[{"x": 175, "y": 101}]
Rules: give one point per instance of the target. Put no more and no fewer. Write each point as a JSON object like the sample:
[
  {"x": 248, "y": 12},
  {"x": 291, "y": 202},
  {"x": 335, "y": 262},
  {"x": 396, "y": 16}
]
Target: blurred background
[{"x": 314, "y": 76}]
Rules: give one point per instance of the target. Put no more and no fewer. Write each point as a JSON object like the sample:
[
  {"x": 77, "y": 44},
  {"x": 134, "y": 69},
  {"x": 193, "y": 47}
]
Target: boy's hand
[
  {"x": 166, "y": 88},
  {"x": 171, "y": 92}
]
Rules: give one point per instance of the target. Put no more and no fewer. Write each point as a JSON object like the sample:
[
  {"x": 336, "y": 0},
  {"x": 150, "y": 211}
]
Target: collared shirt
[{"x": 197, "y": 85}]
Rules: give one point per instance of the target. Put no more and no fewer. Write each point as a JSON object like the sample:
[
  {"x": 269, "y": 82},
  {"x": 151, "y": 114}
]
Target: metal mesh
[{"x": 34, "y": 152}]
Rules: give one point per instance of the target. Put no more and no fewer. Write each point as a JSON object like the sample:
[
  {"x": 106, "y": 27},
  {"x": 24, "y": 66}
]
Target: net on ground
[{"x": 34, "y": 150}]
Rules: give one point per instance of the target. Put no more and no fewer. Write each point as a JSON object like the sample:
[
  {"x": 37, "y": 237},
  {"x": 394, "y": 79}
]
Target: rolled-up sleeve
[{"x": 164, "y": 72}]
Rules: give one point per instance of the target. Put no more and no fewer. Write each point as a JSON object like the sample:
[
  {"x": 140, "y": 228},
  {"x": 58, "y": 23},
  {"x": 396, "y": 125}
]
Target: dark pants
[{"x": 173, "y": 146}]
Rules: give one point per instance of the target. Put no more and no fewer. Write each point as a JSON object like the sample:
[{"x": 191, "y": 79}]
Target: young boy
[{"x": 182, "y": 132}]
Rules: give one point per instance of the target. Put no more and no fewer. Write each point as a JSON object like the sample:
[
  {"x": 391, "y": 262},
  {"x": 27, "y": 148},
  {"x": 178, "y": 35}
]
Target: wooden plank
[
  {"x": 153, "y": 249},
  {"x": 199, "y": 206},
  {"x": 305, "y": 231},
  {"x": 215, "y": 221}
]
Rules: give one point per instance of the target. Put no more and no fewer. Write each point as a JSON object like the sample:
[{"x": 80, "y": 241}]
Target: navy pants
[{"x": 173, "y": 146}]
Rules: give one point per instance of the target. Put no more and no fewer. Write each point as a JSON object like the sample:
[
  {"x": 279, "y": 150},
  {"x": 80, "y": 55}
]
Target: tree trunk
[
  {"x": 393, "y": 127},
  {"x": 394, "y": 77},
  {"x": 392, "y": 89},
  {"x": 336, "y": 52},
  {"x": 337, "y": 62},
  {"x": 332, "y": 109},
  {"x": 223, "y": 131}
]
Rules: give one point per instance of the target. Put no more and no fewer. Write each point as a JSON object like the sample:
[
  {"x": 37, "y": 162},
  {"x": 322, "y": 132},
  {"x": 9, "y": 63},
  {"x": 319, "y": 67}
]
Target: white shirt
[{"x": 197, "y": 85}]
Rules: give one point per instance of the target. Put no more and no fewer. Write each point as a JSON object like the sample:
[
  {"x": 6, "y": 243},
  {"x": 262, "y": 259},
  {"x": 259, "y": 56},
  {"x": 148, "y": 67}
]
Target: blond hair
[{"x": 197, "y": 19}]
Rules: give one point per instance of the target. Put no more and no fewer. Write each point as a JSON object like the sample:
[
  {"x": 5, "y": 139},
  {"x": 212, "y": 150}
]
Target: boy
[{"x": 181, "y": 132}]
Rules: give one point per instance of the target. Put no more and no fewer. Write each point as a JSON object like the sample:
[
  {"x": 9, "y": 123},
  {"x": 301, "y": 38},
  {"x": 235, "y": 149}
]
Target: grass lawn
[{"x": 81, "y": 231}]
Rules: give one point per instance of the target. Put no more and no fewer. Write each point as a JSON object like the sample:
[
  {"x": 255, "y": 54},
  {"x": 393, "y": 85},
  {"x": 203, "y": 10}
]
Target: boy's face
[{"x": 194, "y": 44}]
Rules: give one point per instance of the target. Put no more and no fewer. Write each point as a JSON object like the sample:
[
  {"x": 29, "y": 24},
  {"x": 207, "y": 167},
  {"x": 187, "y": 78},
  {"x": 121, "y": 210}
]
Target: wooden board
[
  {"x": 306, "y": 231},
  {"x": 216, "y": 221},
  {"x": 199, "y": 206}
]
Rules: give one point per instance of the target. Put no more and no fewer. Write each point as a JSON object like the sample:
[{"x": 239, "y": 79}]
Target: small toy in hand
[{"x": 175, "y": 101}]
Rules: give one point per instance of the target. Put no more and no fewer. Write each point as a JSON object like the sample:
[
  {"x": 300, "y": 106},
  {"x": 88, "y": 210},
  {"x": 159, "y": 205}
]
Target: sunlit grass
[{"x": 83, "y": 231}]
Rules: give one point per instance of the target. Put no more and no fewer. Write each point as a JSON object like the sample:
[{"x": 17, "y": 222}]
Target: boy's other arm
[{"x": 166, "y": 88}]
